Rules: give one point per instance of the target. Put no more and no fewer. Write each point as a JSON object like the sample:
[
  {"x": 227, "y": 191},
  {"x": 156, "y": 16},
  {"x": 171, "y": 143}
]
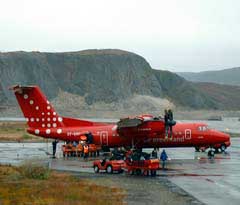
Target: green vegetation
[
  {"x": 26, "y": 136},
  {"x": 30, "y": 184}
]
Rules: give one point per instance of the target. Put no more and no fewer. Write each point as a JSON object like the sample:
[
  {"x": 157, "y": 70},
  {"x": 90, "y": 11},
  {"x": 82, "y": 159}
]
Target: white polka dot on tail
[
  {"x": 48, "y": 131},
  {"x": 59, "y": 131},
  {"x": 37, "y": 131}
]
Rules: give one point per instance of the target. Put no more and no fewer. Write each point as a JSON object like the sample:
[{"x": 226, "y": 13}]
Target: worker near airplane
[
  {"x": 54, "y": 145},
  {"x": 171, "y": 122},
  {"x": 85, "y": 151},
  {"x": 163, "y": 158},
  {"x": 166, "y": 122}
]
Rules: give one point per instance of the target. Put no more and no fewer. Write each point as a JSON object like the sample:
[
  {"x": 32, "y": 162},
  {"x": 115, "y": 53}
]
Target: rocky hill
[
  {"x": 104, "y": 79},
  {"x": 226, "y": 76}
]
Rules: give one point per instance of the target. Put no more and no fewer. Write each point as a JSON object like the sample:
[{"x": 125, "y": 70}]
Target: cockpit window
[{"x": 203, "y": 128}]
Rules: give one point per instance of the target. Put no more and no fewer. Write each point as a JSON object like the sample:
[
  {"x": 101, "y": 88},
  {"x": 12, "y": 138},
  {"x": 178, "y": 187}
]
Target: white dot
[
  {"x": 48, "y": 113},
  {"x": 48, "y": 119},
  {"x": 48, "y": 107},
  {"x": 48, "y": 131},
  {"x": 60, "y": 119},
  {"x": 54, "y": 119},
  {"x": 32, "y": 119},
  {"x": 43, "y": 119},
  {"x": 37, "y": 108},
  {"x": 54, "y": 125},
  {"x": 42, "y": 113},
  {"x": 25, "y": 96},
  {"x": 48, "y": 125},
  {"x": 31, "y": 102},
  {"x": 27, "y": 119},
  {"x": 37, "y": 119},
  {"x": 37, "y": 131},
  {"x": 54, "y": 113},
  {"x": 43, "y": 125},
  {"x": 47, "y": 102},
  {"x": 59, "y": 131}
]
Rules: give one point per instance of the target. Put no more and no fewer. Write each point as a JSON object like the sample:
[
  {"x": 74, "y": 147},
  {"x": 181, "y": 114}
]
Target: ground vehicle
[
  {"x": 108, "y": 165},
  {"x": 143, "y": 167},
  {"x": 77, "y": 151}
]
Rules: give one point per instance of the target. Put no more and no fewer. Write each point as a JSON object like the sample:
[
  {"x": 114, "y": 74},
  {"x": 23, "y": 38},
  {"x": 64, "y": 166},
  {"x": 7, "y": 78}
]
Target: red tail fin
[{"x": 36, "y": 108}]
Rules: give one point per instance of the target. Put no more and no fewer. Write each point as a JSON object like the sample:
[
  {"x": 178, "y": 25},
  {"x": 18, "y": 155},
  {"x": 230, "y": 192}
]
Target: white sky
[{"x": 177, "y": 35}]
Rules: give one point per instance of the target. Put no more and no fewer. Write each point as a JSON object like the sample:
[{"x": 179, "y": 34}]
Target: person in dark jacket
[
  {"x": 171, "y": 122},
  {"x": 163, "y": 158},
  {"x": 166, "y": 122},
  {"x": 89, "y": 137},
  {"x": 54, "y": 145}
]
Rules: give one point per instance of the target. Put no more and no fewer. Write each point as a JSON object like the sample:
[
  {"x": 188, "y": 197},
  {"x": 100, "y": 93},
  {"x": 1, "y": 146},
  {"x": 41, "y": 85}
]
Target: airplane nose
[{"x": 224, "y": 137}]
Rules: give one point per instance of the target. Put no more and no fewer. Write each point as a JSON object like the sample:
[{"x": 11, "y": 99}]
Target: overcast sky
[{"x": 177, "y": 35}]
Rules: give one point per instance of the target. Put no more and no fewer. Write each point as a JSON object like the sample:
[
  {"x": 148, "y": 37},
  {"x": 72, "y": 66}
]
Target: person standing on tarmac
[
  {"x": 85, "y": 151},
  {"x": 166, "y": 122},
  {"x": 163, "y": 158},
  {"x": 54, "y": 145}
]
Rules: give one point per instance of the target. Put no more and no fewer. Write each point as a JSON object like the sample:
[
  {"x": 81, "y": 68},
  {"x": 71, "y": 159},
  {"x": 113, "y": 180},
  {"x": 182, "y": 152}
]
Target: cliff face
[{"x": 106, "y": 76}]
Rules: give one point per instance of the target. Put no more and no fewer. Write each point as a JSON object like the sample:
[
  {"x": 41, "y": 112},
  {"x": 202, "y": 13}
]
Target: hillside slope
[
  {"x": 101, "y": 79},
  {"x": 226, "y": 76}
]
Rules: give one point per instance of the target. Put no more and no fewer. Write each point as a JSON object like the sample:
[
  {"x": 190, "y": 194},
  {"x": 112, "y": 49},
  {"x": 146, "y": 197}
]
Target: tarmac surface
[{"x": 210, "y": 181}]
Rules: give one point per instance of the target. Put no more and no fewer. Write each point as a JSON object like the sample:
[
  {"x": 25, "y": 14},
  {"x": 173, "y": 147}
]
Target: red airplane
[{"x": 143, "y": 131}]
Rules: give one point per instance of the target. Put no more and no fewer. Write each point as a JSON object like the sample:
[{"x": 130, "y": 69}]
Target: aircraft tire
[
  {"x": 96, "y": 169},
  {"x": 211, "y": 153},
  {"x": 197, "y": 149},
  {"x": 109, "y": 169},
  {"x": 223, "y": 148}
]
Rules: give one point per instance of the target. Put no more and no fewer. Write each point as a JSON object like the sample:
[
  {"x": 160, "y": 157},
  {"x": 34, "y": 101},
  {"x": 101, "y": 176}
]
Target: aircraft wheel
[
  {"x": 211, "y": 153},
  {"x": 197, "y": 149},
  {"x": 223, "y": 148},
  {"x": 109, "y": 169},
  {"x": 96, "y": 169},
  {"x": 216, "y": 150}
]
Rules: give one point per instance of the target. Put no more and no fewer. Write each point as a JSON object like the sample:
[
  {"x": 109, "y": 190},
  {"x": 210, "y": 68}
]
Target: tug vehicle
[{"x": 108, "y": 165}]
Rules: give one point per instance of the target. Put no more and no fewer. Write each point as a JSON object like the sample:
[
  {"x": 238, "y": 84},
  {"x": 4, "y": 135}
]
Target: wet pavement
[{"x": 211, "y": 181}]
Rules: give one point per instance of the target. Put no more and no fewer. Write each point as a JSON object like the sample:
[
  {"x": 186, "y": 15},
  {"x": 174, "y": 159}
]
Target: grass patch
[
  {"x": 30, "y": 184},
  {"x": 26, "y": 136}
]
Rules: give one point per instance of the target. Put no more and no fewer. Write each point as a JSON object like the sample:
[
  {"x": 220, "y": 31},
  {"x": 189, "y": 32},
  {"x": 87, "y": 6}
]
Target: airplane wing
[{"x": 140, "y": 126}]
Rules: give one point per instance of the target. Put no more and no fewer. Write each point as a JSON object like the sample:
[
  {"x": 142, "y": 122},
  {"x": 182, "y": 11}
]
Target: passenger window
[{"x": 200, "y": 128}]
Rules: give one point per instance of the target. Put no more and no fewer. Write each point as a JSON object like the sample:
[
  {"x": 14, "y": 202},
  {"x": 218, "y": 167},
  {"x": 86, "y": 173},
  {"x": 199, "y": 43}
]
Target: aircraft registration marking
[{"x": 69, "y": 134}]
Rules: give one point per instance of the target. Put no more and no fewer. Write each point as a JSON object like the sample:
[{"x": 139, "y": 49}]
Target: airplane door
[
  {"x": 188, "y": 134},
  {"x": 104, "y": 137}
]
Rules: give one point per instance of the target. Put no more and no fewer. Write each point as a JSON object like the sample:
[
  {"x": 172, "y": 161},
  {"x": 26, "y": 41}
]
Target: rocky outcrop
[{"x": 98, "y": 77}]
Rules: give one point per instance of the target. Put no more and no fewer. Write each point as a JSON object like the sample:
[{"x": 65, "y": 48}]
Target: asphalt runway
[{"x": 211, "y": 181}]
